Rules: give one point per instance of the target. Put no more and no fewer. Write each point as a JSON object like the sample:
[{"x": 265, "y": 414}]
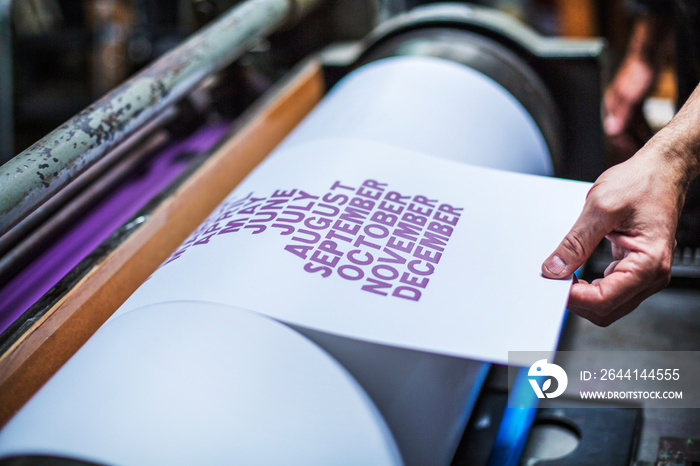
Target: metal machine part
[
  {"x": 490, "y": 58},
  {"x": 503, "y": 54},
  {"x": 528, "y": 66},
  {"x": 43, "y": 169},
  {"x": 12, "y": 253},
  {"x": 570, "y": 71},
  {"x": 481, "y": 124},
  {"x": 600, "y": 435},
  {"x": 426, "y": 418}
]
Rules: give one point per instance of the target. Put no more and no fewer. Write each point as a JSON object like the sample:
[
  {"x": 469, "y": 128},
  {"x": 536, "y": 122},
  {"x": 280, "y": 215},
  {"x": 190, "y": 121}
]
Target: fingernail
[{"x": 555, "y": 265}]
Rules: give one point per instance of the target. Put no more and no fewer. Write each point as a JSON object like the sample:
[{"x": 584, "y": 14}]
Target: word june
[{"x": 389, "y": 242}]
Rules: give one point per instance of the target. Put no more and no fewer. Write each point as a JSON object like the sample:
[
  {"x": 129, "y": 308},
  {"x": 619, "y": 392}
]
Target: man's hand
[
  {"x": 625, "y": 126},
  {"x": 635, "y": 205},
  {"x": 624, "y": 122}
]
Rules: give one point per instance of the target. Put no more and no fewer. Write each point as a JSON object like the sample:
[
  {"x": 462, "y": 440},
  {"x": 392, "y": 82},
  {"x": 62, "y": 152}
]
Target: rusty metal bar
[
  {"x": 47, "y": 166},
  {"x": 24, "y": 230}
]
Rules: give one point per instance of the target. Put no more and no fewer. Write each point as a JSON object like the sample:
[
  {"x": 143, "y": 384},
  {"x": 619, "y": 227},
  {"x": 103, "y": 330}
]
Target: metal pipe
[
  {"x": 7, "y": 121},
  {"x": 12, "y": 262},
  {"x": 47, "y": 166},
  {"x": 25, "y": 229}
]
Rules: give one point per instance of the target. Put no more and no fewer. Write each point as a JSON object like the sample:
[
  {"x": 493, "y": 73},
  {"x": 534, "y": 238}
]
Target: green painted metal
[{"x": 47, "y": 166}]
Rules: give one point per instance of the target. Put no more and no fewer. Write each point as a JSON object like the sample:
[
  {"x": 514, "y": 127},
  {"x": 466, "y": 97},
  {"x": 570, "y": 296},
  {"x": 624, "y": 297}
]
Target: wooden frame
[{"x": 70, "y": 322}]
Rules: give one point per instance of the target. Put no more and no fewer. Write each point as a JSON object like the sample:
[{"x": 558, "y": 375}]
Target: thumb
[{"x": 576, "y": 247}]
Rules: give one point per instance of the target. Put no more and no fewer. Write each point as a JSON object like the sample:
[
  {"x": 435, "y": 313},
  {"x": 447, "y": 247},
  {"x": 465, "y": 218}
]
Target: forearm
[
  {"x": 648, "y": 33},
  {"x": 643, "y": 59},
  {"x": 635, "y": 204},
  {"x": 678, "y": 143},
  {"x": 634, "y": 80}
]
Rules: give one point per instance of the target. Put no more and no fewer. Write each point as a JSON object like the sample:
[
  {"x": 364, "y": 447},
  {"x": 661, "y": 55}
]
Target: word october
[{"x": 393, "y": 242}]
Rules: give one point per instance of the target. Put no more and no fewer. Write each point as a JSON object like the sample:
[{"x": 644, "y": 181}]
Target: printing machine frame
[{"x": 57, "y": 325}]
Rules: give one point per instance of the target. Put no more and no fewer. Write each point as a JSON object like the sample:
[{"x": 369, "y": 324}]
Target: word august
[{"x": 388, "y": 241}]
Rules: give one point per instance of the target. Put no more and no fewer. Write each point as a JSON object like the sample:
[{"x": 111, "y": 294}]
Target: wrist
[
  {"x": 674, "y": 154},
  {"x": 649, "y": 35}
]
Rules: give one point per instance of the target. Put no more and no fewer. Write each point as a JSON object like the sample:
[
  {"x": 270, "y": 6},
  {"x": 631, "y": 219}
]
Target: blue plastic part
[{"x": 515, "y": 424}]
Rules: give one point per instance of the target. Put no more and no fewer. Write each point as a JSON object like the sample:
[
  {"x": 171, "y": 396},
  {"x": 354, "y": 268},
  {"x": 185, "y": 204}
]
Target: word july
[{"x": 389, "y": 242}]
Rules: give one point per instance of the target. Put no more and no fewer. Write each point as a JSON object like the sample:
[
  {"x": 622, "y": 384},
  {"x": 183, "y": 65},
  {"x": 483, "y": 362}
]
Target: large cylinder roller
[{"x": 176, "y": 378}]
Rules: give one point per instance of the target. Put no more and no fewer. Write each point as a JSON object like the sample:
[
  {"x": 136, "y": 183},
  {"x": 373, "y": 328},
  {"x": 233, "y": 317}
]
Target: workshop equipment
[{"x": 542, "y": 76}]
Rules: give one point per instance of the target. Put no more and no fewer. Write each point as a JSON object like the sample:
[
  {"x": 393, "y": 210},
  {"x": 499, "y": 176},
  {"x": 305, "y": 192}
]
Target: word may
[{"x": 388, "y": 241}]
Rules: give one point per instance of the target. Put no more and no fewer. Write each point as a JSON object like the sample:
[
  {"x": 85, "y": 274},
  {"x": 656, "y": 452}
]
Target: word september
[{"x": 389, "y": 241}]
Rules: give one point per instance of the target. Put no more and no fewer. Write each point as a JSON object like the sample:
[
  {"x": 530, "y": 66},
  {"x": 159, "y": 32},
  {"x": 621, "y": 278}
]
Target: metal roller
[
  {"x": 43, "y": 169},
  {"x": 477, "y": 101}
]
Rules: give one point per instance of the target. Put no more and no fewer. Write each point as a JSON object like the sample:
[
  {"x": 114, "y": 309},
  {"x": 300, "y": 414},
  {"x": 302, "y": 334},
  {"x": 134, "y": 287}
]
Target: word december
[{"x": 390, "y": 241}]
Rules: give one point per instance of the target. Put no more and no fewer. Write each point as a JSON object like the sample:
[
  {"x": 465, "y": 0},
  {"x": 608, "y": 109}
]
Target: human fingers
[
  {"x": 615, "y": 314},
  {"x": 614, "y": 120},
  {"x": 613, "y": 124},
  {"x": 626, "y": 284},
  {"x": 577, "y": 245},
  {"x": 610, "y": 268},
  {"x": 604, "y": 295},
  {"x": 618, "y": 251}
]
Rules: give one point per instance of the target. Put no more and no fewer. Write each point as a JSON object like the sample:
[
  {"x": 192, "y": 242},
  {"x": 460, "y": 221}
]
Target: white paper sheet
[
  {"x": 485, "y": 296},
  {"x": 411, "y": 123},
  {"x": 432, "y": 106},
  {"x": 197, "y": 383}
]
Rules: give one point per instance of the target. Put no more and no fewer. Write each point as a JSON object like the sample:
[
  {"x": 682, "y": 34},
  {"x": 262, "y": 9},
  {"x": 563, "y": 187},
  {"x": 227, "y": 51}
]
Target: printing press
[{"x": 92, "y": 210}]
